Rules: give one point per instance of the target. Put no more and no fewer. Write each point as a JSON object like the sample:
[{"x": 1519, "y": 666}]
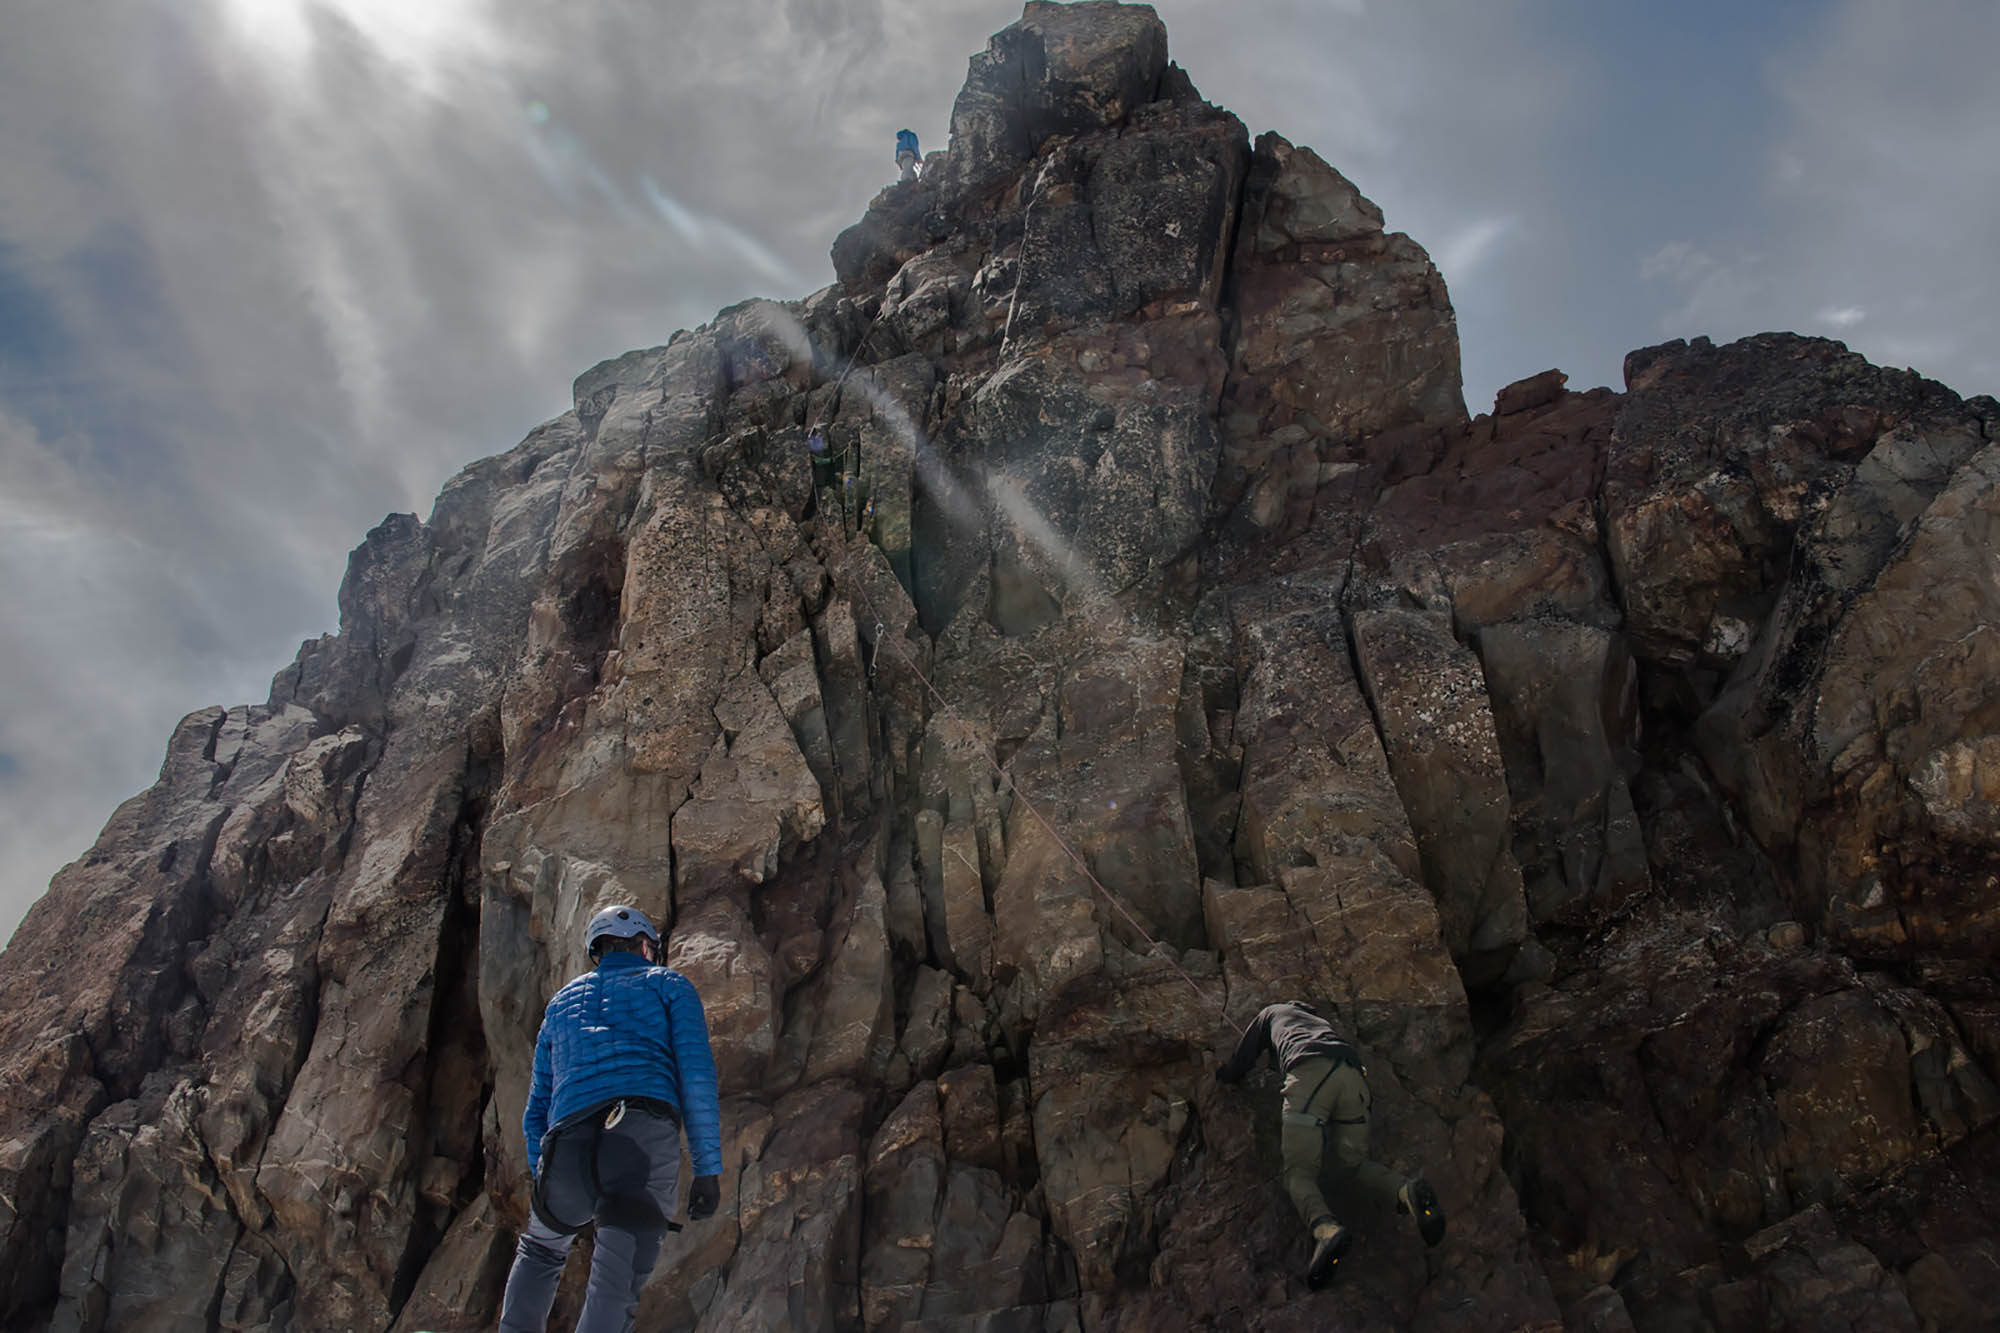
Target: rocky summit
[{"x": 1621, "y": 771}]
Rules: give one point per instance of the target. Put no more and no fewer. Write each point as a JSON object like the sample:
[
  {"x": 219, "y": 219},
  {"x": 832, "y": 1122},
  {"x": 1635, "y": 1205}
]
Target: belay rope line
[
  {"x": 944, "y": 706},
  {"x": 853, "y": 358}
]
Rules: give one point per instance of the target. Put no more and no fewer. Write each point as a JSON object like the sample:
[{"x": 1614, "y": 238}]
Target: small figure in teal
[{"x": 906, "y": 153}]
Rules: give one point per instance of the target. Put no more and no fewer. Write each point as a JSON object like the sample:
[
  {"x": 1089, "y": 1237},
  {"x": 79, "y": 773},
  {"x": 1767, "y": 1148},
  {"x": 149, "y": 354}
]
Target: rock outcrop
[{"x": 1621, "y": 769}]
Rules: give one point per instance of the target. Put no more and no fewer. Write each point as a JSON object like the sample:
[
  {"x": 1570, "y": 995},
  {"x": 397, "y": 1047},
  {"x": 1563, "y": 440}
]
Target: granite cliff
[{"x": 1623, "y": 769}]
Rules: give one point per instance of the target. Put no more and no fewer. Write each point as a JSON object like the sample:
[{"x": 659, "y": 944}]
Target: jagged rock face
[{"x": 1619, "y": 769}]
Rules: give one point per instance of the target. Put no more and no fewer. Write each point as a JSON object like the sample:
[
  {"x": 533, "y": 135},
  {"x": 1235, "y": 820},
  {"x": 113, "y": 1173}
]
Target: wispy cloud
[
  {"x": 1714, "y": 295},
  {"x": 287, "y": 264},
  {"x": 1887, "y": 184},
  {"x": 284, "y": 265},
  {"x": 716, "y": 238},
  {"x": 101, "y": 619},
  {"x": 1462, "y": 255}
]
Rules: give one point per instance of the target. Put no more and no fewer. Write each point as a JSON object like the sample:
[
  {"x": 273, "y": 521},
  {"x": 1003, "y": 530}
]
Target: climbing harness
[
  {"x": 1346, "y": 1058},
  {"x": 590, "y": 1171}
]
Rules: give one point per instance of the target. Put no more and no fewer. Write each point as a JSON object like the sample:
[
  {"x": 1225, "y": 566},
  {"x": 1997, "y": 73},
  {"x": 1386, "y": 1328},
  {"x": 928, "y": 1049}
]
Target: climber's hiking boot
[
  {"x": 1420, "y": 1201},
  {"x": 1330, "y": 1241}
]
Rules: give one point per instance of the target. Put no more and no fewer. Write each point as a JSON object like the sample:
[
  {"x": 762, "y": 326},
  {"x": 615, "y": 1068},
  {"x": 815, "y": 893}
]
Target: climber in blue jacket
[
  {"x": 622, "y": 1065},
  {"x": 906, "y": 153}
]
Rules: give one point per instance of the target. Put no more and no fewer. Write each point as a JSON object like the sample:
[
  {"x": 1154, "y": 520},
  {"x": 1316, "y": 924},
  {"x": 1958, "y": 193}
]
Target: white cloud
[{"x": 1841, "y": 317}]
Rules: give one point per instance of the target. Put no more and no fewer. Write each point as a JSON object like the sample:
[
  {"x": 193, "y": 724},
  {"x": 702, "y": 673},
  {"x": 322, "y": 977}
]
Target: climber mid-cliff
[
  {"x": 824, "y": 463},
  {"x": 906, "y": 153},
  {"x": 1326, "y": 1086},
  {"x": 621, "y": 1063}
]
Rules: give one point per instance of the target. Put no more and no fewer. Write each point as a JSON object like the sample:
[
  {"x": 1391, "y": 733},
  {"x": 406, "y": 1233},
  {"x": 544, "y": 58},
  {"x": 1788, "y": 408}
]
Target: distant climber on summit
[
  {"x": 906, "y": 153},
  {"x": 621, "y": 1064},
  {"x": 1326, "y": 1084}
]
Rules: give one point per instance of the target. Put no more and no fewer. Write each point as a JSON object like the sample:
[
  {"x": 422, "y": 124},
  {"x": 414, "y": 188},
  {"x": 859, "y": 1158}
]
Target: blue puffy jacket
[
  {"x": 906, "y": 142},
  {"x": 627, "y": 1029}
]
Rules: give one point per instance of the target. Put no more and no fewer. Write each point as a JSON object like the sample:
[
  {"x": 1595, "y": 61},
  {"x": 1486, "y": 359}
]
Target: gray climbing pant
[
  {"x": 624, "y": 1255},
  {"x": 1327, "y": 1101}
]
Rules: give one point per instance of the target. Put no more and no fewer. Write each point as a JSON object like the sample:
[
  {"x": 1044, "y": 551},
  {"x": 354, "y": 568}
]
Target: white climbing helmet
[{"x": 619, "y": 923}]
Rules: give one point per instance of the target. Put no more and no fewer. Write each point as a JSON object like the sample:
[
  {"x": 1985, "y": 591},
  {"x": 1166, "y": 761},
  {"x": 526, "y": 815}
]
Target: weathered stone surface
[
  {"x": 987, "y": 1259},
  {"x": 968, "y": 930},
  {"x": 1712, "y": 459},
  {"x": 794, "y": 684},
  {"x": 467, "y": 1273},
  {"x": 1114, "y": 226},
  {"x": 1809, "y": 1277},
  {"x": 144, "y": 1244},
  {"x": 1317, "y": 282},
  {"x": 1430, "y": 698},
  {"x": 1315, "y": 778},
  {"x": 1617, "y": 771},
  {"x": 1063, "y": 69},
  {"x": 1924, "y": 636},
  {"x": 1565, "y": 711},
  {"x": 1493, "y": 521},
  {"x": 906, "y": 1169},
  {"x": 927, "y": 1036},
  {"x": 849, "y": 711},
  {"x": 716, "y": 949},
  {"x": 755, "y": 800},
  {"x": 971, "y": 1110},
  {"x": 1113, "y": 1076},
  {"x": 853, "y": 1005},
  {"x": 797, "y": 1265}
]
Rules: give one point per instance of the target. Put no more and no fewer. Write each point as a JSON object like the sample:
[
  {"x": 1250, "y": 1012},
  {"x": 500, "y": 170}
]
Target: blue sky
[{"x": 270, "y": 269}]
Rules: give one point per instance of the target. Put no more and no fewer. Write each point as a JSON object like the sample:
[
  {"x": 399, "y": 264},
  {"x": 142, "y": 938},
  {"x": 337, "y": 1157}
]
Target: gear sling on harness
[
  {"x": 1345, "y": 1057},
  {"x": 593, "y": 1169}
]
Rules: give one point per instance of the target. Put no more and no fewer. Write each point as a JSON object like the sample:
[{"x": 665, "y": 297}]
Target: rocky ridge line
[{"x": 1621, "y": 768}]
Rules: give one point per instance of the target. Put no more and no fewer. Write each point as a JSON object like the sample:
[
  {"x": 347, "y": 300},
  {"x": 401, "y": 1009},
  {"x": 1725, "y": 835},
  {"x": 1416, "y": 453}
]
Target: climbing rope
[
  {"x": 853, "y": 359},
  {"x": 944, "y": 706}
]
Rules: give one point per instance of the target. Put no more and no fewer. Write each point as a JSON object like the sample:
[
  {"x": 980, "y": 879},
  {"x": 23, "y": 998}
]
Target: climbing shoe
[
  {"x": 1330, "y": 1241},
  {"x": 1420, "y": 1201}
]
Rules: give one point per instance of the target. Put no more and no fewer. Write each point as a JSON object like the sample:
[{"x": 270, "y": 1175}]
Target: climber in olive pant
[{"x": 1326, "y": 1088}]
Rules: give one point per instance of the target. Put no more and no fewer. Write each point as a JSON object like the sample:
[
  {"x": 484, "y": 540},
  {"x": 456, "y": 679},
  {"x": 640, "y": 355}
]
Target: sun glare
[{"x": 418, "y": 35}]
